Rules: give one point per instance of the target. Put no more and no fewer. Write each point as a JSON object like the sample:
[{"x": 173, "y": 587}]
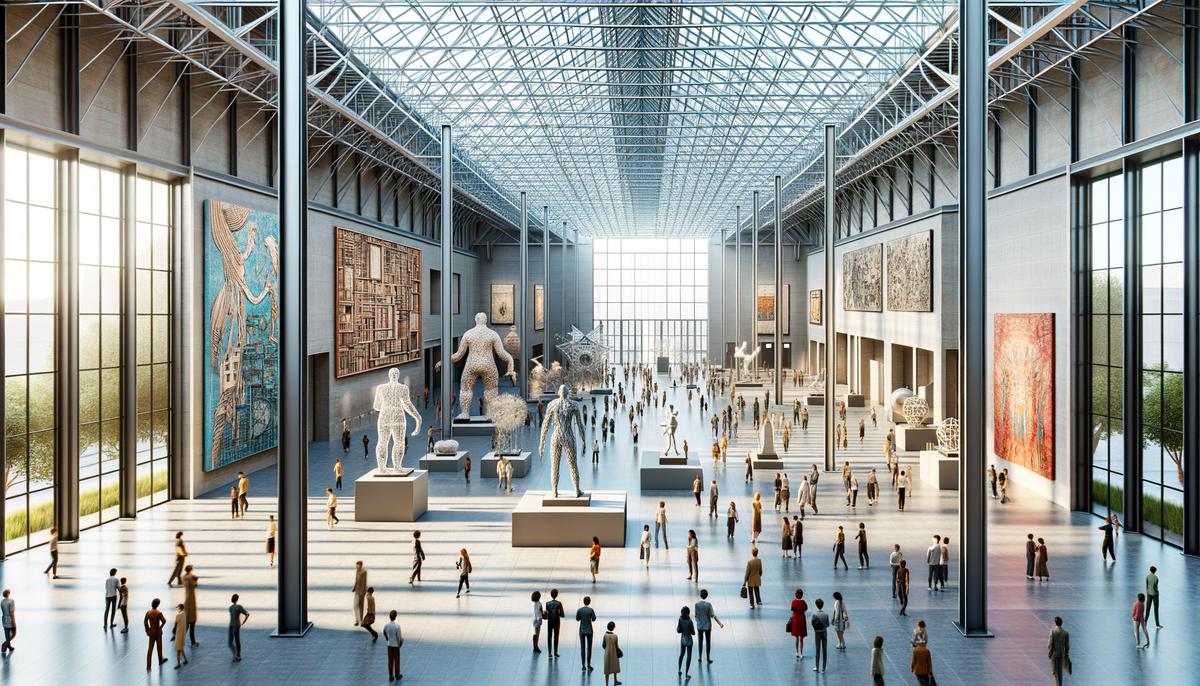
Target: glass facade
[
  {"x": 1107, "y": 238},
  {"x": 30, "y": 278},
  {"x": 651, "y": 296},
  {"x": 154, "y": 364}
]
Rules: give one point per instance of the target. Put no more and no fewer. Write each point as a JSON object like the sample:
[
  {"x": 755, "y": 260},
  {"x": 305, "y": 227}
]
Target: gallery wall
[{"x": 725, "y": 290}]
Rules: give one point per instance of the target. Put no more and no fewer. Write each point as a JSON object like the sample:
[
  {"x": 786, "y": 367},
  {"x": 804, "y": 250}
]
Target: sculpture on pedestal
[
  {"x": 393, "y": 404},
  {"x": 512, "y": 342},
  {"x": 747, "y": 359},
  {"x": 766, "y": 439},
  {"x": 947, "y": 435},
  {"x": 587, "y": 357},
  {"x": 897, "y": 400},
  {"x": 566, "y": 418},
  {"x": 542, "y": 379},
  {"x": 478, "y": 344},
  {"x": 915, "y": 409},
  {"x": 508, "y": 413},
  {"x": 670, "y": 425}
]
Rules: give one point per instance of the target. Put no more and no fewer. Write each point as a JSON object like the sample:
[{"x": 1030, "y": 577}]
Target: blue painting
[{"x": 241, "y": 323}]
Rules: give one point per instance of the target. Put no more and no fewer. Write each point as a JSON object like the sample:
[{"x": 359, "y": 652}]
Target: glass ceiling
[{"x": 636, "y": 117}]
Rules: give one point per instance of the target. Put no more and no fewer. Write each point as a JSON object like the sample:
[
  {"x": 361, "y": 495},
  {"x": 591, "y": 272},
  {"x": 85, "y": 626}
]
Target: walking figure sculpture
[
  {"x": 478, "y": 344},
  {"x": 671, "y": 425},
  {"x": 566, "y": 417},
  {"x": 393, "y": 404}
]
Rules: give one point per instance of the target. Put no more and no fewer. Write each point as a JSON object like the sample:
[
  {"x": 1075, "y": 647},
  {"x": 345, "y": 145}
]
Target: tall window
[
  {"x": 651, "y": 296},
  {"x": 30, "y": 227},
  {"x": 1161, "y": 215},
  {"x": 154, "y": 292},
  {"x": 1107, "y": 239},
  {"x": 99, "y": 344}
]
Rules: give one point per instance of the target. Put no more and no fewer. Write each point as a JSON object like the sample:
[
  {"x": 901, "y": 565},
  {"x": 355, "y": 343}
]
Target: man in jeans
[
  {"x": 933, "y": 558},
  {"x": 112, "y": 590},
  {"x": 704, "y": 619},
  {"x": 820, "y": 625}
]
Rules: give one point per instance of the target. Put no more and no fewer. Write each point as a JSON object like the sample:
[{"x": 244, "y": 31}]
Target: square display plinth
[
  {"x": 391, "y": 498},
  {"x": 939, "y": 470},
  {"x": 766, "y": 462},
  {"x": 443, "y": 463},
  {"x": 535, "y": 525},
  {"x": 854, "y": 400},
  {"x": 489, "y": 463},
  {"x": 912, "y": 438},
  {"x": 475, "y": 426},
  {"x": 814, "y": 400},
  {"x": 669, "y": 476},
  {"x": 747, "y": 384}
]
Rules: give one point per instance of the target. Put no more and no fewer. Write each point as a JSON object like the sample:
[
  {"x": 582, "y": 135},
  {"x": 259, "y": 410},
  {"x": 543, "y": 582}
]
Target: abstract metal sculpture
[
  {"x": 947, "y": 435},
  {"x": 566, "y": 417},
  {"x": 478, "y": 345},
  {"x": 915, "y": 410},
  {"x": 394, "y": 404},
  {"x": 587, "y": 356},
  {"x": 541, "y": 379},
  {"x": 508, "y": 413}
]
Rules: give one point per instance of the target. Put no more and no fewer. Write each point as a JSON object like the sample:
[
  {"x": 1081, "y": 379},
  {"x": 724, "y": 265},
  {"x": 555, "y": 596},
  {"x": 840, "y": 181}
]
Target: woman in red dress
[{"x": 799, "y": 627}]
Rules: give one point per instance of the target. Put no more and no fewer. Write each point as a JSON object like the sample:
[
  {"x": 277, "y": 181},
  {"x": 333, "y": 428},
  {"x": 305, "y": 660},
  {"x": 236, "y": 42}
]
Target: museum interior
[{"x": 453, "y": 315}]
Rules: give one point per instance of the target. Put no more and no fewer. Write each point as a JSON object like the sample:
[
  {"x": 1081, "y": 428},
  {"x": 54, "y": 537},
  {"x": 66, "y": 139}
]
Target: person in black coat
[{"x": 554, "y": 615}]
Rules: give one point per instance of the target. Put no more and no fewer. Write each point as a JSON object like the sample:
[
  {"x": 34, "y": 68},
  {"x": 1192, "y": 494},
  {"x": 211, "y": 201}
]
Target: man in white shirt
[
  {"x": 894, "y": 561},
  {"x": 112, "y": 589},
  {"x": 933, "y": 558},
  {"x": 660, "y": 524},
  {"x": 393, "y": 638}
]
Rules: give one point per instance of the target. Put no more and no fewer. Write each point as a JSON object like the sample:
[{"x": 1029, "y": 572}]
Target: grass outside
[
  {"x": 41, "y": 517},
  {"x": 1154, "y": 509}
]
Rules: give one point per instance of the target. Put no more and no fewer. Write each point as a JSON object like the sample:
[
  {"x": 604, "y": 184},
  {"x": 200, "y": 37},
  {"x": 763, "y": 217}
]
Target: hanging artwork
[
  {"x": 1023, "y": 390},
  {"x": 502, "y": 303},
  {"x": 816, "y": 306},
  {"x": 764, "y": 309},
  {"x": 539, "y": 307},
  {"x": 241, "y": 322},
  {"x": 377, "y": 302},
  {"x": 910, "y": 273},
  {"x": 862, "y": 279}
]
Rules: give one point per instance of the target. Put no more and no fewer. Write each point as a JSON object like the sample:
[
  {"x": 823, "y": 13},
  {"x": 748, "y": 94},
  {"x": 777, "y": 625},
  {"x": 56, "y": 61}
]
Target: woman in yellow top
[
  {"x": 756, "y": 518},
  {"x": 594, "y": 558}
]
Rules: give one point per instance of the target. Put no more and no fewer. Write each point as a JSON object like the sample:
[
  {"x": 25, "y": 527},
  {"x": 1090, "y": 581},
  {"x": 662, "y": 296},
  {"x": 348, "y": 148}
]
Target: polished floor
[{"x": 483, "y": 637}]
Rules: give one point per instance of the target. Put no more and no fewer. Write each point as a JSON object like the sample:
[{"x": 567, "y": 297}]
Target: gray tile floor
[{"x": 483, "y": 638}]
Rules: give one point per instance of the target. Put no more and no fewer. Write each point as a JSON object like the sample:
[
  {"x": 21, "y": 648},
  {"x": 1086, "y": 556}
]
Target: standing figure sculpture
[
  {"x": 478, "y": 344},
  {"x": 746, "y": 358},
  {"x": 566, "y": 417},
  {"x": 670, "y": 426},
  {"x": 393, "y": 404}
]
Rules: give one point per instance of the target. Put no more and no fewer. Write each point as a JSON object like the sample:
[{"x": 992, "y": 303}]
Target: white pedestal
[
  {"x": 769, "y": 462},
  {"x": 663, "y": 473},
  {"x": 939, "y": 471},
  {"x": 520, "y": 463},
  {"x": 537, "y": 526},
  {"x": 391, "y": 498},
  {"x": 443, "y": 463},
  {"x": 475, "y": 426},
  {"x": 912, "y": 438}
]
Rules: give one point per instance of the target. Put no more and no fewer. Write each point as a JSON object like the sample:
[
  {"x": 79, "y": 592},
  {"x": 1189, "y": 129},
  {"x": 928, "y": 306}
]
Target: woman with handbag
[
  {"x": 840, "y": 620},
  {"x": 612, "y": 655},
  {"x": 731, "y": 520},
  {"x": 539, "y": 614},
  {"x": 644, "y": 546},
  {"x": 464, "y": 572},
  {"x": 796, "y": 625}
]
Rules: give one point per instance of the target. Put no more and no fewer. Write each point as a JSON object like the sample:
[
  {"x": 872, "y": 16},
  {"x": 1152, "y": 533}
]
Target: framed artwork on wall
[
  {"x": 765, "y": 310},
  {"x": 1023, "y": 390},
  {"x": 816, "y": 306},
  {"x": 241, "y": 329},
  {"x": 502, "y": 303},
  {"x": 377, "y": 304},
  {"x": 539, "y": 307},
  {"x": 862, "y": 279},
  {"x": 910, "y": 273}
]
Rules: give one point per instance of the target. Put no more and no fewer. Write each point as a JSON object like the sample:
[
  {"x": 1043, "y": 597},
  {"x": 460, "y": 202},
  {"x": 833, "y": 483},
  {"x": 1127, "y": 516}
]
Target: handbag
[
  {"x": 789, "y": 625},
  {"x": 641, "y": 553},
  {"x": 744, "y": 593}
]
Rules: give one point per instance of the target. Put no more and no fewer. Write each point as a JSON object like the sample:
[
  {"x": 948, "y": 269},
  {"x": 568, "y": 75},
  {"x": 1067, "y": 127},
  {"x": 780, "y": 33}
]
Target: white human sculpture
[
  {"x": 947, "y": 435},
  {"x": 478, "y": 344},
  {"x": 508, "y": 413},
  {"x": 393, "y": 404},
  {"x": 915, "y": 409},
  {"x": 766, "y": 439},
  {"x": 747, "y": 359},
  {"x": 670, "y": 425},
  {"x": 566, "y": 418}
]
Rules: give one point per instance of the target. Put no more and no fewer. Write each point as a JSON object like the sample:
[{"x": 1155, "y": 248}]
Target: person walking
[
  {"x": 797, "y": 624},
  {"x": 660, "y": 524},
  {"x": 554, "y": 617},
  {"x": 418, "y": 558},
  {"x": 1030, "y": 556},
  {"x": 705, "y": 616},
  {"x": 331, "y": 517},
  {"x": 153, "y": 623},
  {"x": 539, "y": 615},
  {"x": 179, "y": 634},
  {"x": 394, "y": 639},
  {"x": 1152, "y": 595},
  {"x": 872, "y": 487},
  {"x": 756, "y": 508},
  {"x": 813, "y": 477},
  {"x": 803, "y": 495},
  {"x": 467, "y": 468},
  {"x": 612, "y": 654},
  {"x": 595, "y": 451},
  {"x": 920, "y": 636},
  {"x": 367, "y": 446},
  {"x": 686, "y": 629},
  {"x": 180, "y": 558},
  {"x": 112, "y": 592},
  {"x": 693, "y": 556},
  {"x": 1040, "y": 567},
  {"x": 991, "y": 477},
  {"x": 243, "y": 484},
  {"x": 785, "y": 494},
  {"x": 190, "y": 582},
  {"x": 778, "y": 489},
  {"x": 902, "y": 489},
  {"x": 359, "y": 589},
  {"x": 933, "y": 559},
  {"x": 235, "y": 503},
  {"x": 338, "y": 471},
  {"x": 864, "y": 560},
  {"x": 53, "y": 566},
  {"x": 785, "y": 538},
  {"x": 8, "y": 620},
  {"x": 237, "y": 617},
  {"x": 922, "y": 665},
  {"x": 1003, "y": 479},
  {"x": 464, "y": 572},
  {"x": 123, "y": 603},
  {"x": 1058, "y": 650},
  {"x": 594, "y": 558},
  {"x": 820, "y": 625},
  {"x": 368, "y": 619},
  {"x": 902, "y": 579},
  {"x": 894, "y": 562},
  {"x": 697, "y": 488},
  {"x": 644, "y": 546},
  {"x": 508, "y": 475},
  {"x": 1106, "y": 547},
  {"x": 877, "y": 662},
  {"x": 749, "y": 468},
  {"x": 345, "y": 436},
  {"x": 839, "y": 548},
  {"x": 840, "y": 620},
  {"x": 586, "y": 616},
  {"x": 854, "y": 491},
  {"x": 713, "y": 493},
  {"x": 731, "y": 520},
  {"x": 1139, "y": 622},
  {"x": 272, "y": 531},
  {"x": 752, "y": 579}
]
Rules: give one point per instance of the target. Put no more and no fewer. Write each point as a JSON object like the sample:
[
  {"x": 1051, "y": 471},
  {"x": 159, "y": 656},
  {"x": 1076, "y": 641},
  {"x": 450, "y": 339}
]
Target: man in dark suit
[
  {"x": 555, "y": 612},
  {"x": 1059, "y": 651},
  {"x": 1030, "y": 555}
]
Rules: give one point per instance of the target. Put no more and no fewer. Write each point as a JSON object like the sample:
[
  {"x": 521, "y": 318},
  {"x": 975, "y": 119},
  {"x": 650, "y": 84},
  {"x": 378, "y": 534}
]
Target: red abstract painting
[{"x": 1023, "y": 390}]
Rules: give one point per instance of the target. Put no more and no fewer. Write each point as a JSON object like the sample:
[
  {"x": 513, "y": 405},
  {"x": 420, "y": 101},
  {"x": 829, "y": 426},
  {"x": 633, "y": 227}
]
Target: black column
[
  {"x": 292, "y": 540},
  {"x": 1132, "y": 335},
  {"x": 1081, "y": 334},
  {"x": 1191, "y": 285},
  {"x": 127, "y": 480},
  {"x": 66, "y": 391}
]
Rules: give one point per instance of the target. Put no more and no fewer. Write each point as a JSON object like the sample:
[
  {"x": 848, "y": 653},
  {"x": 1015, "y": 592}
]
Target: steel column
[
  {"x": 1081, "y": 333},
  {"x": 720, "y": 305},
  {"x": 66, "y": 396},
  {"x": 231, "y": 134},
  {"x": 830, "y": 328},
  {"x": 1128, "y": 84},
  {"x": 1074, "y": 107},
  {"x": 292, "y": 537},
  {"x": 1031, "y": 129},
  {"x": 523, "y": 300},
  {"x": 3, "y": 307},
  {"x": 547, "y": 338},
  {"x": 754, "y": 289},
  {"x": 127, "y": 479},
  {"x": 69, "y": 45},
  {"x": 1191, "y": 60},
  {"x": 131, "y": 95},
  {"x": 1191, "y": 345},
  {"x": 737, "y": 282},
  {"x": 972, "y": 228},
  {"x": 447, "y": 239},
  {"x": 779, "y": 301},
  {"x": 1132, "y": 340}
]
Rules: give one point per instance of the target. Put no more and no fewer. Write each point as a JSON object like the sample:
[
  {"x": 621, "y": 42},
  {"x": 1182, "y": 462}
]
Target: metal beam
[
  {"x": 66, "y": 396},
  {"x": 132, "y": 83},
  {"x": 127, "y": 501},
  {"x": 1031, "y": 129},
  {"x": 779, "y": 300},
  {"x": 292, "y": 588},
  {"x": 547, "y": 337},
  {"x": 737, "y": 280},
  {"x": 1191, "y": 342},
  {"x": 1129, "y": 85},
  {"x": 830, "y": 328},
  {"x": 754, "y": 287},
  {"x": 1191, "y": 60},
  {"x": 68, "y": 37},
  {"x": 447, "y": 239},
  {"x": 522, "y": 300},
  {"x": 972, "y": 228},
  {"x": 1132, "y": 339},
  {"x": 231, "y": 135}
]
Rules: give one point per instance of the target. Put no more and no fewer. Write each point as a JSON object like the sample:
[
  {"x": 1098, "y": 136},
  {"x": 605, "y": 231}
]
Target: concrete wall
[{"x": 725, "y": 289}]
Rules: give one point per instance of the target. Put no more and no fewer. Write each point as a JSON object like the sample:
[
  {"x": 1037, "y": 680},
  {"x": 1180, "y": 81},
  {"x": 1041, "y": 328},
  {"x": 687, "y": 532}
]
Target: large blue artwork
[{"x": 241, "y": 324}]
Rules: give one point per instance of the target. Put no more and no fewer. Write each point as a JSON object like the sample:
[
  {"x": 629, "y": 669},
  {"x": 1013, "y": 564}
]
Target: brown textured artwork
[
  {"x": 816, "y": 306},
  {"x": 1023, "y": 390},
  {"x": 378, "y": 303},
  {"x": 910, "y": 273},
  {"x": 862, "y": 279},
  {"x": 539, "y": 307},
  {"x": 765, "y": 310}
]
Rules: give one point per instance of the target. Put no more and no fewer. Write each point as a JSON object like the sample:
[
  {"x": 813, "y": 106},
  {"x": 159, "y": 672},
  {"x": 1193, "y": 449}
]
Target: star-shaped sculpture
[{"x": 586, "y": 354}]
